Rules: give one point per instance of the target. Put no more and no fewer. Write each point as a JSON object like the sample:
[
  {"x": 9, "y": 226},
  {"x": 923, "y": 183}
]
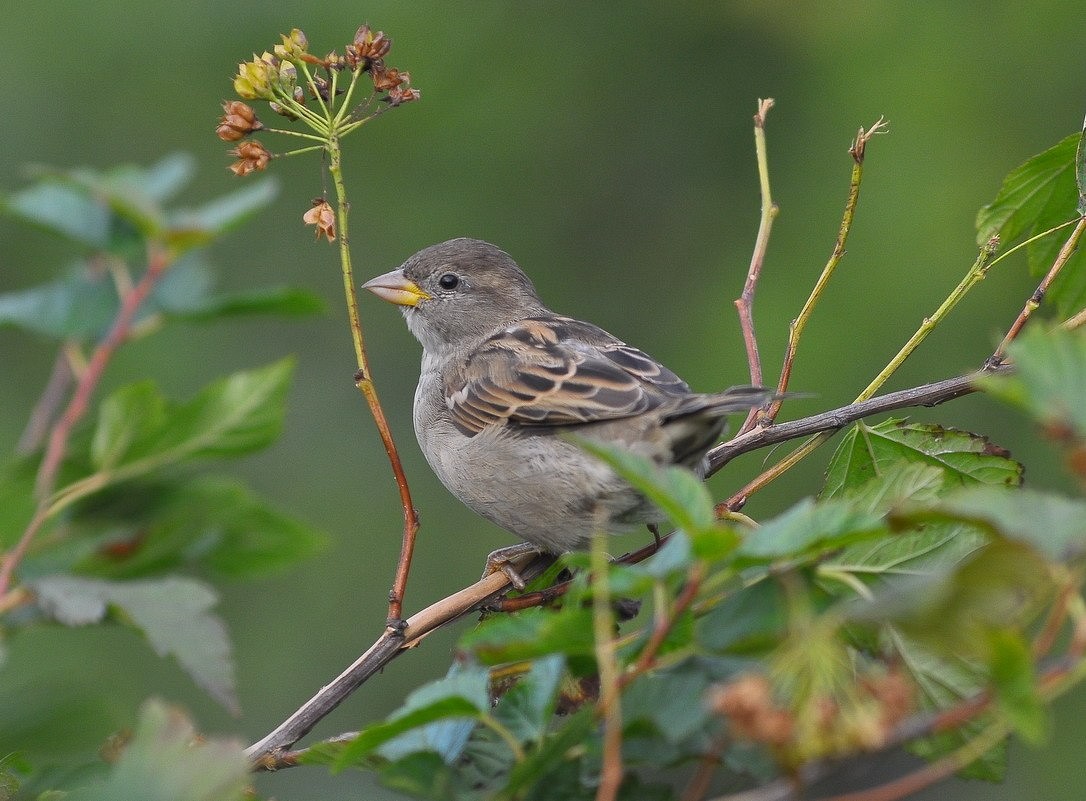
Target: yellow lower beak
[{"x": 396, "y": 288}]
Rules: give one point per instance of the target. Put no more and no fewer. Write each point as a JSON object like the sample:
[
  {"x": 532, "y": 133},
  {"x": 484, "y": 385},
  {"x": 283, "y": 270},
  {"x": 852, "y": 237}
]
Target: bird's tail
[{"x": 734, "y": 399}]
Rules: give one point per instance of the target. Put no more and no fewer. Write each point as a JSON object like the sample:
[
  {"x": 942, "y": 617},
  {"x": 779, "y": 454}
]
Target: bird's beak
[{"x": 396, "y": 288}]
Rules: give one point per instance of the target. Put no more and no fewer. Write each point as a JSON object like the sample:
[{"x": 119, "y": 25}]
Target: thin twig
[
  {"x": 858, "y": 151},
  {"x": 388, "y": 646},
  {"x": 744, "y": 304},
  {"x": 158, "y": 261},
  {"x": 665, "y": 622},
  {"x": 364, "y": 382},
  {"x": 973, "y": 276},
  {"x": 1038, "y": 295},
  {"x": 56, "y": 389}
]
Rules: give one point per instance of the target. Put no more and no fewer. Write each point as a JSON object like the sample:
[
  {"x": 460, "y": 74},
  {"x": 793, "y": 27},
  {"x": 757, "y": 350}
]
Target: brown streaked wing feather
[{"x": 555, "y": 372}]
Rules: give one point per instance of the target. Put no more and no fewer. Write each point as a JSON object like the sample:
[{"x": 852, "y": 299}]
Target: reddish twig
[
  {"x": 744, "y": 304},
  {"x": 157, "y": 262},
  {"x": 44, "y": 412},
  {"x": 663, "y": 625},
  {"x": 1038, "y": 295}
]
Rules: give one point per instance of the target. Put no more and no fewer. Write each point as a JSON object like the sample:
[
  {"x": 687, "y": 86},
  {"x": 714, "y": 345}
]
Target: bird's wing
[{"x": 555, "y": 371}]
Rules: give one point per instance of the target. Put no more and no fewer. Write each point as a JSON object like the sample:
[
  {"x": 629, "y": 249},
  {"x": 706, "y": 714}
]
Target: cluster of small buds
[{"x": 861, "y": 720}]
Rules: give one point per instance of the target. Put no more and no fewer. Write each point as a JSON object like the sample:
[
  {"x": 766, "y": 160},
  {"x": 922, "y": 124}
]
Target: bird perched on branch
[{"x": 503, "y": 376}]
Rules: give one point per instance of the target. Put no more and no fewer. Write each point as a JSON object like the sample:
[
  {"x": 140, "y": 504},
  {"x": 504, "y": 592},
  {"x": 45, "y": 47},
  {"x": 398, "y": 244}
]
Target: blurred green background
[{"x": 608, "y": 147}]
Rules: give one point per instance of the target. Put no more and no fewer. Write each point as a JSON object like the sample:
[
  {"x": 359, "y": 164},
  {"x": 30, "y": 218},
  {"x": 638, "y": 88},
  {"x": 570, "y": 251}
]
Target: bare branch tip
[
  {"x": 859, "y": 144},
  {"x": 764, "y": 105}
]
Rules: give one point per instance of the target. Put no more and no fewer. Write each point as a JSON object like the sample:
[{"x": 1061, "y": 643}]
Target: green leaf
[
  {"x": 552, "y": 752},
  {"x": 1000, "y": 585},
  {"x": 172, "y": 613},
  {"x": 16, "y": 499},
  {"x": 201, "y": 225},
  {"x": 1052, "y": 524},
  {"x": 867, "y": 452},
  {"x": 675, "y": 556},
  {"x": 926, "y": 547},
  {"x": 461, "y": 694},
  {"x": 125, "y": 417},
  {"x": 84, "y": 303},
  {"x": 1039, "y": 195},
  {"x": 677, "y": 492},
  {"x": 81, "y": 305},
  {"x": 373, "y": 737},
  {"x": 186, "y": 292},
  {"x": 62, "y": 210},
  {"x": 281, "y": 300},
  {"x": 1012, "y": 675},
  {"x": 1050, "y": 379},
  {"x": 672, "y": 701},
  {"x": 945, "y": 681},
  {"x": 751, "y": 620},
  {"x": 532, "y": 633},
  {"x": 808, "y": 528},
  {"x": 167, "y": 761},
  {"x": 210, "y": 521},
  {"x": 232, "y": 416},
  {"x": 162, "y": 181},
  {"x": 527, "y": 707},
  {"x": 422, "y": 775}
]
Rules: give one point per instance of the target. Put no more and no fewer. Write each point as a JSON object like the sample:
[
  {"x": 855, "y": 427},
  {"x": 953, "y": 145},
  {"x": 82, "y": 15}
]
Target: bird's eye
[{"x": 449, "y": 281}]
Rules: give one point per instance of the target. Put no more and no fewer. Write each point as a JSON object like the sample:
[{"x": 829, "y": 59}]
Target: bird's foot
[{"x": 499, "y": 561}]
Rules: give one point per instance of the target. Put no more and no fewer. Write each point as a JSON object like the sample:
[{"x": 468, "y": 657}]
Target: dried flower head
[
  {"x": 386, "y": 78},
  {"x": 323, "y": 218},
  {"x": 402, "y": 94},
  {"x": 238, "y": 121},
  {"x": 366, "y": 48},
  {"x": 251, "y": 157}
]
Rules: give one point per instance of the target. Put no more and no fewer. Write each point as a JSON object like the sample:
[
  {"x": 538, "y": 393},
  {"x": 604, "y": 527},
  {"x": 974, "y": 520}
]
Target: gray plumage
[{"x": 502, "y": 376}]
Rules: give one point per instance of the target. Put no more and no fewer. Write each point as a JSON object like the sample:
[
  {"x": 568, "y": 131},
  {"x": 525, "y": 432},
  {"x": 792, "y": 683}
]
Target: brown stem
[
  {"x": 364, "y": 381},
  {"x": 664, "y": 624}
]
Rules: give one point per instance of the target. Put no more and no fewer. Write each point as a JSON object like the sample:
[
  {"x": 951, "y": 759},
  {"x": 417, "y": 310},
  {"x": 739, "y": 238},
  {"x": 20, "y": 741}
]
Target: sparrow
[{"x": 503, "y": 378}]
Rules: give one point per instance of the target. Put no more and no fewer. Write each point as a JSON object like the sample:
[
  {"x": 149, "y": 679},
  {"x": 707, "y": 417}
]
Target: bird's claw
[{"x": 499, "y": 561}]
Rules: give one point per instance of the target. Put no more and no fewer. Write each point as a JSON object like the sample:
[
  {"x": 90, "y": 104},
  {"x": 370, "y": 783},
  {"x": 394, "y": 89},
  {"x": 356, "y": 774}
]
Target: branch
[
  {"x": 363, "y": 379},
  {"x": 744, "y": 304},
  {"x": 925, "y": 395},
  {"x": 488, "y": 592},
  {"x": 393, "y": 642}
]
